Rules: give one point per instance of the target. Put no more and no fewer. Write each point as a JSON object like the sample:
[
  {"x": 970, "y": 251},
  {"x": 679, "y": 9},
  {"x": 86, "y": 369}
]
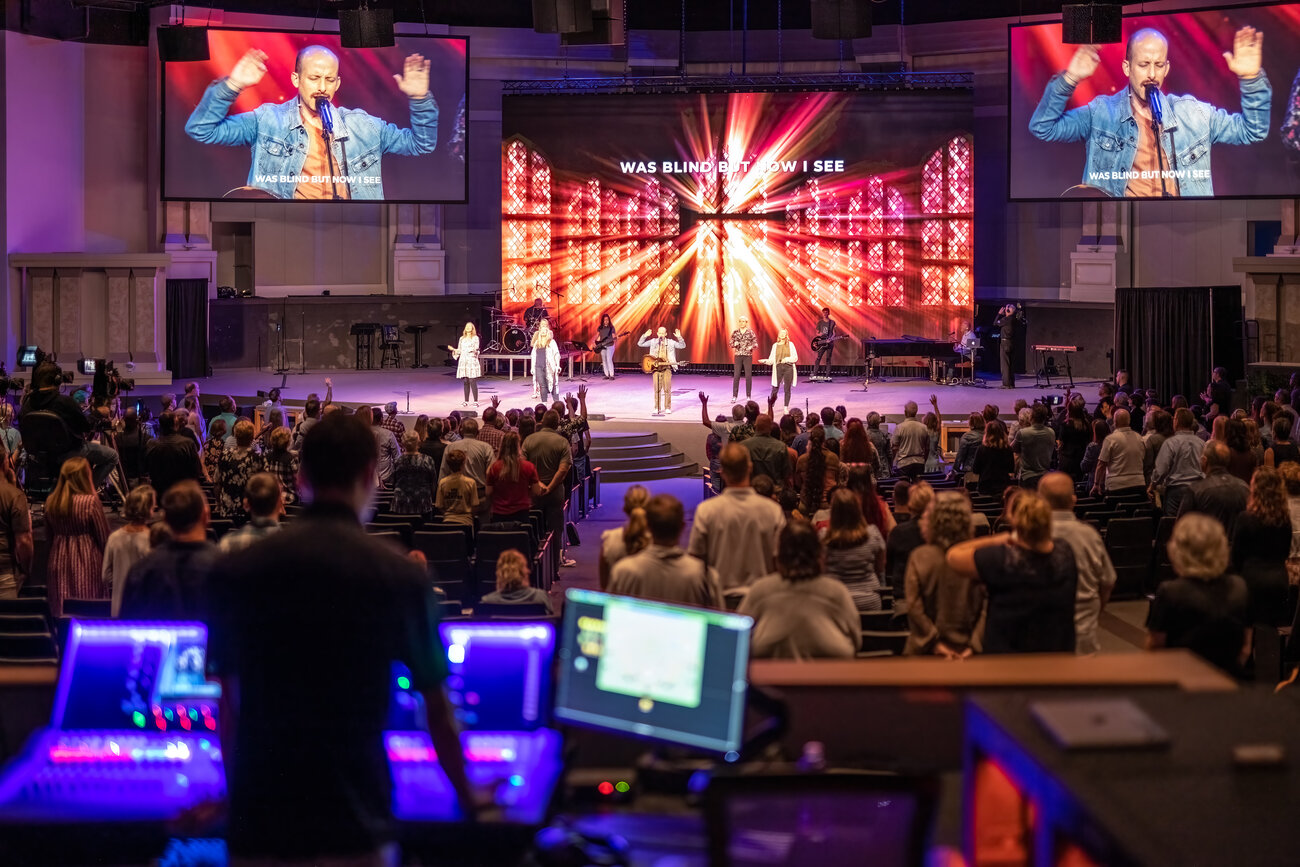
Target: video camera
[
  {"x": 10, "y": 383},
  {"x": 1052, "y": 400},
  {"x": 107, "y": 381}
]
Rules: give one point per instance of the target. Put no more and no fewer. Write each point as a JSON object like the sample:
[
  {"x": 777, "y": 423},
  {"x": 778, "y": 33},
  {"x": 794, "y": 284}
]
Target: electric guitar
[
  {"x": 601, "y": 344},
  {"x": 650, "y": 364},
  {"x": 820, "y": 342}
]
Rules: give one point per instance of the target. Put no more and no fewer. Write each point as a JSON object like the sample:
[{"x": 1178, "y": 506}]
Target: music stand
[{"x": 585, "y": 350}]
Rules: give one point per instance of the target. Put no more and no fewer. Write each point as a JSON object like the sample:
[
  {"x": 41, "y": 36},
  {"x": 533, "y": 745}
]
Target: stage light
[{"x": 1091, "y": 23}]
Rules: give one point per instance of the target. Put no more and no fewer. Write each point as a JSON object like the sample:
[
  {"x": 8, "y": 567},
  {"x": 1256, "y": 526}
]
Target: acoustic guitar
[{"x": 650, "y": 364}]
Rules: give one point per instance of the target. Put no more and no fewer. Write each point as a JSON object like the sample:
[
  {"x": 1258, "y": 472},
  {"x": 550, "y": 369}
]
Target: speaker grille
[
  {"x": 366, "y": 28},
  {"x": 841, "y": 19},
  {"x": 562, "y": 16},
  {"x": 183, "y": 44},
  {"x": 1091, "y": 23}
]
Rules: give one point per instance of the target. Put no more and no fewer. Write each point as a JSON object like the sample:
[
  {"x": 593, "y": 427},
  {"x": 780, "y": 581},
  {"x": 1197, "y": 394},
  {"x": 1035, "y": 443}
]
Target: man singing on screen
[
  {"x": 1122, "y": 130},
  {"x": 303, "y": 152}
]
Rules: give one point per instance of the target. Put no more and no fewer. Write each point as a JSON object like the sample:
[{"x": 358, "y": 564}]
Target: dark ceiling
[{"x": 126, "y": 21}]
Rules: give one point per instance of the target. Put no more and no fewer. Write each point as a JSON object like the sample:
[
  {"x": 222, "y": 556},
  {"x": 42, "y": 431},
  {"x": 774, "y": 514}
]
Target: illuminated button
[
  {"x": 606, "y": 788},
  {"x": 404, "y": 682},
  {"x": 516, "y": 780},
  {"x": 622, "y": 786},
  {"x": 138, "y": 719}
]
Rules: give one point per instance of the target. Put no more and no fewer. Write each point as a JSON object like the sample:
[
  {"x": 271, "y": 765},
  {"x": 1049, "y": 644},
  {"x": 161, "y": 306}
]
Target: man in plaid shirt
[{"x": 392, "y": 422}]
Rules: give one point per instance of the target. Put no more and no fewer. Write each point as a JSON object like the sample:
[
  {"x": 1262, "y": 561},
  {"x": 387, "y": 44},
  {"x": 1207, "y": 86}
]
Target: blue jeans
[{"x": 102, "y": 460}]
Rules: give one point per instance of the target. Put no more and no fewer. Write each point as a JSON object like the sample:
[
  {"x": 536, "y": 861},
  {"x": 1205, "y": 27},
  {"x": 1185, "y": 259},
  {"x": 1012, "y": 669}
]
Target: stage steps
[{"x": 637, "y": 457}]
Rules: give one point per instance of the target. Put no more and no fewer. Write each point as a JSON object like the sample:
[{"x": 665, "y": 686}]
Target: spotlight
[{"x": 1091, "y": 23}]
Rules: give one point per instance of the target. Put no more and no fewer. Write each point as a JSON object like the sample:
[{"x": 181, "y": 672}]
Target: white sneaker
[
  {"x": 464, "y": 404},
  {"x": 668, "y": 411}
]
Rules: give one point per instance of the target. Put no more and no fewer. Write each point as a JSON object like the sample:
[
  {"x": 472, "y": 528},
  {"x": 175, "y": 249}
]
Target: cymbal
[{"x": 494, "y": 309}]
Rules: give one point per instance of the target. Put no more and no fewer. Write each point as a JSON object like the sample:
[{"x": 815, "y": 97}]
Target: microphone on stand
[
  {"x": 326, "y": 112},
  {"x": 1156, "y": 100}
]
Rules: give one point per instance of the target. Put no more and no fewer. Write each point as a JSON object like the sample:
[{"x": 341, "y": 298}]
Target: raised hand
[
  {"x": 329, "y": 383},
  {"x": 414, "y": 80},
  {"x": 249, "y": 69},
  {"x": 1247, "y": 53},
  {"x": 496, "y": 401},
  {"x": 1083, "y": 64},
  {"x": 934, "y": 400},
  {"x": 704, "y": 398},
  {"x": 582, "y": 392}
]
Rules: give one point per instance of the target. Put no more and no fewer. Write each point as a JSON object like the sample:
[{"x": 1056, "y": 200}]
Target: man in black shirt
[
  {"x": 304, "y": 629},
  {"x": 171, "y": 583},
  {"x": 1220, "y": 494},
  {"x": 825, "y": 344},
  {"x": 1218, "y": 392},
  {"x": 172, "y": 457},
  {"x": 1005, "y": 323},
  {"x": 45, "y": 396}
]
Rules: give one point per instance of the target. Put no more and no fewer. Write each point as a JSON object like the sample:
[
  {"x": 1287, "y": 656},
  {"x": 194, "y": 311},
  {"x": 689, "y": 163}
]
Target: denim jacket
[
  {"x": 279, "y": 139},
  {"x": 1191, "y": 128}
]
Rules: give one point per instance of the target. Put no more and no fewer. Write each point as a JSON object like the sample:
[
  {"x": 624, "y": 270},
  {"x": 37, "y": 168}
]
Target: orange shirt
[
  {"x": 1147, "y": 158},
  {"x": 317, "y": 164}
]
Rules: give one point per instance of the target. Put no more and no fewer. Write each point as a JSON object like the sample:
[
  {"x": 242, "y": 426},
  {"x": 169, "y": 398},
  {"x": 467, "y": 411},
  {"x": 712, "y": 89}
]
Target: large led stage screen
[
  {"x": 248, "y": 123},
  {"x": 692, "y": 210},
  {"x": 1083, "y": 121}
]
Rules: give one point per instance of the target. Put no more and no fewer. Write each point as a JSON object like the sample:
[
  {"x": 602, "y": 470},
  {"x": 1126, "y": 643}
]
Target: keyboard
[
  {"x": 1050, "y": 347},
  {"x": 113, "y": 775},
  {"x": 522, "y": 768}
]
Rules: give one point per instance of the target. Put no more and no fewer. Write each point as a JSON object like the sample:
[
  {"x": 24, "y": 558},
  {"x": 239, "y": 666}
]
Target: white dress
[{"x": 467, "y": 352}]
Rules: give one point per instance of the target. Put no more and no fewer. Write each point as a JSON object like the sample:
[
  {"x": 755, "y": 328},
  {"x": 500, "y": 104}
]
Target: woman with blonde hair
[
  {"x": 1203, "y": 609},
  {"x": 512, "y": 583},
  {"x": 1261, "y": 544},
  {"x": 78, "y": 532},
  {"x": 9, "y": 436},
  {"x": 1030, "y": 580},
  {"x": 468, "y": 369},
  {"x": 128, "y": 545},
  {"x": 546, "y": 363},
  {"x": 632, "y": 538},
  {"x": 945, "y": 613}
]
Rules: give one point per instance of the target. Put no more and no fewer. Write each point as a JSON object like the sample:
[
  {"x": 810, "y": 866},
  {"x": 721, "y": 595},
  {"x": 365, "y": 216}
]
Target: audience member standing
[
  {"x": 1031, "y": 582},
  {"x": 945, "y": 612},
  {"x": 908, "y": 535},
  {"x": 172, "y": 457},
  {"x": 631, "y": 538},
  {"x": 345, "y": 606},
  {"x": 414, "y": 479},
  {"x": 128, "y": 545},
  {"x": 1282, "y": 449},
  {"x": 1119, "y": 464},
  {"x": 457, "y": 494},
  {"x": 132, "y": 444},
  {"x": 1178, "y": 465},
  {"x": 664, "y": 571},
  {"x": 799, "y": 612},
  {"x": 855, "y": 551},
  {"x": 995, "y": 463},
  {"x": 78, "y": 531},
  {"x": 966, "y": 447},
  {"x": 734, "y": 533},
  {"x": 282, "y": 463},
  {"x": 1072, "y": 441},
  {"x": 880, "y": 440},
  {"x": 171, "y": 583},
  {"x": 237, "y": 464},
  {"x": 1204, "y": 609},
  {"x": 512, "y": 483},
  {"x": 213, "y": 447},
  {"x": 389, "y": 450},
  {"x": 1220, "y": 494},
  {"x": 1036, "y": 445},
  {"x": 550, "y": 454},
  {"x": 910, "y": 444},
  {"x": 1091, "y": 562},
  {"x": 767, "y": 454},
  {"x": 815, "y": 473},
  {"x": 1261, "y": 544},
  {"x": 1160, "y": 429},
  {"x": 16, "y": 542},
  {"x": 264, "y": 502},
  {"x": 1241, "y": 459}
]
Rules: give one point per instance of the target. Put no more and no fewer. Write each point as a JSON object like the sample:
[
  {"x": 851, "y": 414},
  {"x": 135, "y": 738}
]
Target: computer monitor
[
  {"x": 655, "y": 670},
  {"x": 143, "y": 677},
  {"x": 498, "y": 677}
]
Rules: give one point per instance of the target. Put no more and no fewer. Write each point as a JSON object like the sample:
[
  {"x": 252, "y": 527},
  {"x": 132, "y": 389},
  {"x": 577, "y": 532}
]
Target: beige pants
[{"x": 664, "y": 387}]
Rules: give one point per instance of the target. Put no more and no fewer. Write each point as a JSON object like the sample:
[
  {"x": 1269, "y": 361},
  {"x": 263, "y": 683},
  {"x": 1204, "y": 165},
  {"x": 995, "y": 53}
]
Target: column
[
  {"x": 67, "y": 289},
  {"x": 1095, "y": 260},
  {"x": 119, "y": 312},
  {"x": 148, "y": 340},
  {"x": 418, "y": 265},
  {"x": 40, "y": 308}
]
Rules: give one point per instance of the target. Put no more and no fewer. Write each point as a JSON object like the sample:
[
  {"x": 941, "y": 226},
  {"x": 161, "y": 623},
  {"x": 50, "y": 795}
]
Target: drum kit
[{"x": 508, "y": 334}]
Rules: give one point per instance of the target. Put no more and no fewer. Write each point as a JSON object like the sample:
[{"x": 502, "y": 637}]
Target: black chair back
[
  {"x": 14, "y": 624},
  {"x": 518, "y": 611},
  {"x": 90, "y": 609},
  {"x": 28, "y": 648}
]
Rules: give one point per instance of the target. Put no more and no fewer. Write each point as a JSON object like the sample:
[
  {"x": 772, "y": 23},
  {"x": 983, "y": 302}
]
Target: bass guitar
[
  {"x": 601, "y": 344},
  {"x": 650, "y": 364},
  {"x": 821, "y": 342}
]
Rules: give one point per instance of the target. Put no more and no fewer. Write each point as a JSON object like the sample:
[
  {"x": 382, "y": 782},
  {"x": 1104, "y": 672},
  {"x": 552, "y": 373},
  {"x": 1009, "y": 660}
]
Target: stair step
[
  {"x": 612, "y": 438},
  {"x": 638, "y": 450},
  {"x": 636, "y": 463},
  {"x": 651, "y": 473}
]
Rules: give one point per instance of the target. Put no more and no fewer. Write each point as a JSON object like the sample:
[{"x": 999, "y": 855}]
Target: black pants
[
  {"x": 738, "y": 363},
  {"x": 1004, "y": 353},
  {"x": 784, "y": 377},
  {"x": 471, "y": 385},
  {"x": 823, "y": 361}
]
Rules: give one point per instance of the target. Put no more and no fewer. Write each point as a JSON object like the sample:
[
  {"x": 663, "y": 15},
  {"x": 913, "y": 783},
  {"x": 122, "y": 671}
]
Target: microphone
[
  {"x": 326, "y": 114},
  {"x": 1156, "y": 101}
]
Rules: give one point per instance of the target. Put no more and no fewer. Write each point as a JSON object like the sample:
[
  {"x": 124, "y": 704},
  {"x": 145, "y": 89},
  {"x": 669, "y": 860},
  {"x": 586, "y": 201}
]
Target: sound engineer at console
[{"x": 305, "y": 626}]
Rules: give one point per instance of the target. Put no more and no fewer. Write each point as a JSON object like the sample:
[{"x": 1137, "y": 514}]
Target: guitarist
[
  {"x": 606, "y": 337},
  {"x": 664, "y": 350},
  {"x": 824, "y": 343},
  {"x": 743, "y": 344}
]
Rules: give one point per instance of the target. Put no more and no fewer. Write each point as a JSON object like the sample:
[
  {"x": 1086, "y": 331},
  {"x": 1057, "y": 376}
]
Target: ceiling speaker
[
  {"x": 841, "y": 19},
  {"x": 366, "y": 28},
  {"x": 562, "y": 16},
  {"x": 183, "y": 44},
  {"x": 1091, "y": 23},
  {"x": 606, "y": 26}
]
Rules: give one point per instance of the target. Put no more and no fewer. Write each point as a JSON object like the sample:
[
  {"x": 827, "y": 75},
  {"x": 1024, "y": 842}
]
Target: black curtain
[
  {"x": 1162, "y": 338},
  {"x": 187, "y": 328}
]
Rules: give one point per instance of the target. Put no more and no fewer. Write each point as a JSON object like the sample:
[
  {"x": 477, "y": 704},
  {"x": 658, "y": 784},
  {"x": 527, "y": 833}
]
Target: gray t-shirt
[
  {"x": 548, "y": 451},
  {"x": 1035, "y": 446}
]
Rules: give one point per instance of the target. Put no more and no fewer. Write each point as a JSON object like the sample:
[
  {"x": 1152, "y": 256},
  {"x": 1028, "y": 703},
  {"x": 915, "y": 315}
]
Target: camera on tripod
[
  {"x": 9, "y": 383},
  {"x": 106, "y": 381}
]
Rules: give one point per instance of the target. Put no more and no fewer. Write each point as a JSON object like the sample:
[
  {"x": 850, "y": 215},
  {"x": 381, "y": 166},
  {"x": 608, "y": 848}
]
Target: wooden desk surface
[
  {"x": 1158, "y": 668},
  {"x": 28, "y": 675}
]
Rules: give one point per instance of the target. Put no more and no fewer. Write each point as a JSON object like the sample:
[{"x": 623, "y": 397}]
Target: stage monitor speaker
[
  {"x": 183, "y": 44},
  {"x": 1091, "y": 23},
  {"x": 562, "y": 16},
  {"x": 366, "y": 28},
  {"x": 841, "y": 19}
]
